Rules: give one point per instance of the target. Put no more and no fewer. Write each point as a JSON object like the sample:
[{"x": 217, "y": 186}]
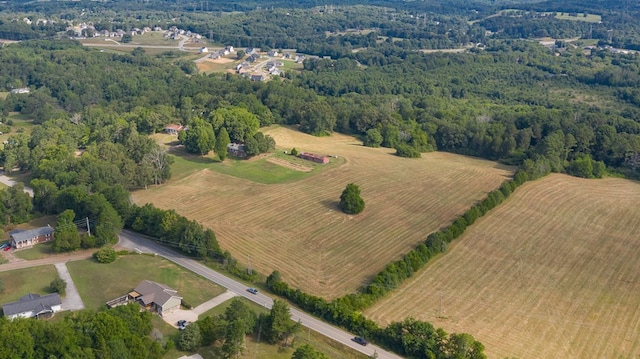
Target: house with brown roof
[
  {"x": 173, "y": 129},
  {"x": 156, "y": 297}
]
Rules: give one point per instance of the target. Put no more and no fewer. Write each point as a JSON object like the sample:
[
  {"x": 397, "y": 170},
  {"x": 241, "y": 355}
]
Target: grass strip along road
[{"x": 137, "y": 242}]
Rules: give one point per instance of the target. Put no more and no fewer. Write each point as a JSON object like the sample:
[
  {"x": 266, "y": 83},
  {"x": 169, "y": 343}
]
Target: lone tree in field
[{"x": 350, "y": 200}]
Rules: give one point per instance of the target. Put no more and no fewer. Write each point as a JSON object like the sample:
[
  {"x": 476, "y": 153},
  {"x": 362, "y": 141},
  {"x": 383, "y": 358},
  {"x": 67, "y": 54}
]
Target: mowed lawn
[
  {"x": 20, "y": 282},
  {"x": 551, "y": 273},
  {"x": 97, "y": 283},
  {"x": 298, "y": 228}
]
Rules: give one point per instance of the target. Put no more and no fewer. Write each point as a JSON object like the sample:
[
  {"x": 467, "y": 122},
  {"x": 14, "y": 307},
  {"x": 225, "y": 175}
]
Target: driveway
[
  {"x": 71, "y": 300},
  {"x": 191, "y": 315}
]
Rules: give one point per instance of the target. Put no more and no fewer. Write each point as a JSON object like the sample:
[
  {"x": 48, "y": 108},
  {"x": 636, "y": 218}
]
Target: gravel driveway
[{"x": 71, "y": 300}]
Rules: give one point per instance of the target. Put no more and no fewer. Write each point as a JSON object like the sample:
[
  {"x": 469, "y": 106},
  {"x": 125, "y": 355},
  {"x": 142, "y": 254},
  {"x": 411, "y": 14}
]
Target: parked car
[
  {"x": 360, "y": 340},
  {"x": 7, "y": 248},
  {"x": 4, "y": 246},
  {"x": 252, "y": 291}
]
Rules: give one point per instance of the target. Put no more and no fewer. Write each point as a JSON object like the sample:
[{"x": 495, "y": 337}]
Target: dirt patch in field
[
  {"x": 289, "y": 164},
  {"x": 222, "y": 60}
]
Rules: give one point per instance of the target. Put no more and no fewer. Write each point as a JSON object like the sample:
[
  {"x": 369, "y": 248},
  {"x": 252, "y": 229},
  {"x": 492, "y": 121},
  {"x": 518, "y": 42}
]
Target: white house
[{"x": 33, "y": 306}]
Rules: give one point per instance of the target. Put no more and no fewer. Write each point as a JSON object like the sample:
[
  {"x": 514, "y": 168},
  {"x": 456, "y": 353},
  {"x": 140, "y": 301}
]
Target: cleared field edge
[
  {"x": 550, "y": 273},
  {"x": 298, "y": 229}
]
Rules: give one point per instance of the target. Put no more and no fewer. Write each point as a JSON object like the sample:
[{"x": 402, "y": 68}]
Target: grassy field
[
  {"x": 98, "y": 283},
  {"x": 24, "y": 281},
  {"x": 21, "y": 123},
  {"x": 551, "y": 273},
  {"x": 298, "y": 228},
  {"x": 579, "y": 17}
]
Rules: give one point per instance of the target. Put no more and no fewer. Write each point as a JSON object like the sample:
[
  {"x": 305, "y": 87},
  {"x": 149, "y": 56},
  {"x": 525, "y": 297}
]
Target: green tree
[
  {"x": 279, "y": 325},
  {"x": 106, "y": 255},
  {"x": 190, "y": 338},
  {"x": 234, "y": 339},
  {"x": 66, "y": 236},
  {"x": 373, "y": 138},
  {"x": 199, "y": 137},
  {"x": 238, "y": 121},
  {"x": 306, "y": 351},
  {"x": 350, "y": 200},
  {"x": 222, "y": 141},
  {"x": 57, "y": 286}
]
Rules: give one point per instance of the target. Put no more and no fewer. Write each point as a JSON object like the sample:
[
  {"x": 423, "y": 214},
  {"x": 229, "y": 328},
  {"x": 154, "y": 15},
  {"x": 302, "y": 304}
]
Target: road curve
[
  {"x": 137, "y": 242},
  {"x": 10, "y": 182}
]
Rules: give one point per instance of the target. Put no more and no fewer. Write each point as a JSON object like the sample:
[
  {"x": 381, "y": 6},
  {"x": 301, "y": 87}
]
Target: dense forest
[{"x": 567, "y": 107}]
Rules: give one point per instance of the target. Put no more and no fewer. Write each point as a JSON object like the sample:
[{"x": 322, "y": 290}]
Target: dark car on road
[
  {"x": 252, "y": 291},
  {"x": 360, "y": 340}
]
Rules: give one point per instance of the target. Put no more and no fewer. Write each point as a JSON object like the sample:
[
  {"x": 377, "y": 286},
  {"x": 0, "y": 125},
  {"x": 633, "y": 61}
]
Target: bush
[
  {"x": 404, "y": 150},
  {"x": 58, "y": 286},
  {"x": 105, "y": 255},
  {"x": 350, "y": 200},
  {"x": 294, "y": 152}
]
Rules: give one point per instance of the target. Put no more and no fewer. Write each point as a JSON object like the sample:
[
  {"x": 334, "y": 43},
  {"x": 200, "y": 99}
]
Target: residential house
[
  {"x": 272, "y": 53},
  {"x": 33, "y": 306},
  {"x": 173, "y": 129},
  {"x": 29, "y": 238},
  {"x": 236, "y": 150},
  {"x": 313, "y": 157},
  {"x": 204, "y": 50},
  {"x": 20, "y": 90},
  {"x": 258, "y": 77},
  {"x": 156, "y": 297}
]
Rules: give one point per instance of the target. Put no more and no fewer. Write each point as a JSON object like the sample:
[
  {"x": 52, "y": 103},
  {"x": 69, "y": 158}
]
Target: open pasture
[
  {"x": 298, "y": 228},
  {"x": 551, "y": 273}
]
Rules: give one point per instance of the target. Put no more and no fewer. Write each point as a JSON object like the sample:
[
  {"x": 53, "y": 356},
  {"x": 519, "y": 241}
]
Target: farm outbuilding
[{"x": 313, "y": 157}]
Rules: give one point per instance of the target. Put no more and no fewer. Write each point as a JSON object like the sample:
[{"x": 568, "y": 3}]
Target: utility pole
[
  {"x": 88, "y": 227},
  {"x": 249, "y": 264}
]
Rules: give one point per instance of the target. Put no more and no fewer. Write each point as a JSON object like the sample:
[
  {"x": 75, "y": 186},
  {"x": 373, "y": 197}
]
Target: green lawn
[
  {"x": 257, "y": 170},
  {"x": 39, "y": 251},
  {"x": 24, "y": 281},
  {"x": 98, "y": 283},
  {"x": 579, "y": 17}
]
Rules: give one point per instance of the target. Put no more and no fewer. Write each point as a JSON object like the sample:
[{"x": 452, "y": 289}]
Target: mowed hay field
[
  {"x": 551, "y": 273},
  {"x": 298, "y": 228}
]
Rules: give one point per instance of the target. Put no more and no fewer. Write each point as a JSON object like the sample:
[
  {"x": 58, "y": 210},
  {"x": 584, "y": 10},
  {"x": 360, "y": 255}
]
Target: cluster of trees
[
  {"x": 16, "y": 205},
  {"x": 174, "y": 230},
  {"x": 232, "y": 124},
  {"x": 228, "y": 331},
  {"x": 403, "y": 99},
  {"x": 121, "y": 332}
]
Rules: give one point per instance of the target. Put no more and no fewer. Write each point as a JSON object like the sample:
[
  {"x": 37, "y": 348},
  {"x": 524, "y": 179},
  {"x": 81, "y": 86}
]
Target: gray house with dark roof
[
  {"x": 31, "y": 237},
  {"x": 156, "y": 297},
  {"x": 33, "y": 306}
]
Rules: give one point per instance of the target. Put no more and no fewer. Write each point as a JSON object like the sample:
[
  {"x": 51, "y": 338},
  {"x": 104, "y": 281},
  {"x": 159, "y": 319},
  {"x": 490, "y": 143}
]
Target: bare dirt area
[
  {"x": 551, "y": 273},
  {"x": 298, "y": 228}
]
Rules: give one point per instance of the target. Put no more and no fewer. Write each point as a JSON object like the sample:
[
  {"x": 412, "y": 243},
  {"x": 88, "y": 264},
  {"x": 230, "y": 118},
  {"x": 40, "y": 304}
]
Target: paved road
[
  {"x": 9, "y": 182},
  {"x": 137, "y": 242},
  {"x": 72, "y": 300},
  {"x": 61, "y": 258}
]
